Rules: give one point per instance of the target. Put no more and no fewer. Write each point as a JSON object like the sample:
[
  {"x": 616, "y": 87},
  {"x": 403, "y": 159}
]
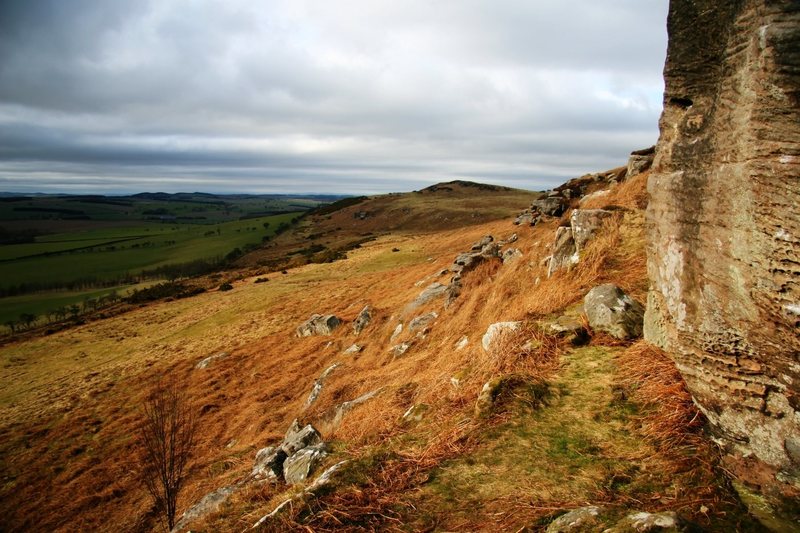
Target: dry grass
[
  {"x": 247, "y": 400},
  {"x": 670, "y": 419},
  {"x": 631, "y": 194}
]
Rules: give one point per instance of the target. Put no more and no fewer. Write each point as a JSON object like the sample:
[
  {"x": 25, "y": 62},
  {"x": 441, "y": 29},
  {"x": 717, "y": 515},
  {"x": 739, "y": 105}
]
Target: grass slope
[{"x": 67, "y": 403}]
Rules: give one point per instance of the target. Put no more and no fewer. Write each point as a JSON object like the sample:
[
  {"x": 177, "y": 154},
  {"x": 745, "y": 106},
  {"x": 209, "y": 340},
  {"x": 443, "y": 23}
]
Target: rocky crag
[{"x": 724, "y": 236}]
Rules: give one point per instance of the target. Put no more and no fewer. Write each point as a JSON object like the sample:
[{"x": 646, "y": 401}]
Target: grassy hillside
[{"x": 607, "y": 424}]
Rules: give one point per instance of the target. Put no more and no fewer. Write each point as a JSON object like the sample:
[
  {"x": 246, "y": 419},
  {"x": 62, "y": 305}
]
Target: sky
[{"x": 323, "y": 96}]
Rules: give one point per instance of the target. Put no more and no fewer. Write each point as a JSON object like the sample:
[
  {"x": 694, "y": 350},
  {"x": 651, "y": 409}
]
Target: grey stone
[
  {"x": 486, "y": 239},
  {"x": 400, "y": 349},
  {"x": 610, "y": 310},
  {"x": 640, "y": 161},
  {"x": 318, "y": 325},
  {"x": 396, "y": 333},
  {"x": 434, "y": 290},
  {"x": 422, "y": 321},
  {"x": 565, "y": 254},
  {"x": 511, "y": 255},
  {"x": 320, "y": 381},
  {"x": 300, "y": 465},
  {"x": 462, "y": 343},
  {"x": 298, "y": 438},
  {"x": 496, "y": 331},
  {"x": 210, "y": 503},
  {"x": 570, "y": 328},
  {"x": 643, "y": 522},
  {"x": 577, "y": 520},
  {"x": 353, "y": 349},
  {"x": 205, "y": 363},
  {"x": 345, "y": 407},
  {"x": 585, "y": 223},
  {"x": 362, "y": 320},
  {"x": 269, "y": 464},
  {"x": 551, "y": 206}
]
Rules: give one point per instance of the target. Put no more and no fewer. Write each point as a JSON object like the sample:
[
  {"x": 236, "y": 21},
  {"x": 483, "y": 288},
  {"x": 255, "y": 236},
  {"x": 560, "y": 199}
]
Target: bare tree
[{"x": 167, "y": 436}]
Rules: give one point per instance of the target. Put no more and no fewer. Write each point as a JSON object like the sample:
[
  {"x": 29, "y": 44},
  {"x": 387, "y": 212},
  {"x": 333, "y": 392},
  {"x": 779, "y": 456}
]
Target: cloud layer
[{"x": 354, "y": 96}]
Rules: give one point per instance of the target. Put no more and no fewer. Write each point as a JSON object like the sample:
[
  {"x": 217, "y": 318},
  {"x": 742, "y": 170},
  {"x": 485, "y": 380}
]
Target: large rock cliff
[{"x": 724, "y": 233}]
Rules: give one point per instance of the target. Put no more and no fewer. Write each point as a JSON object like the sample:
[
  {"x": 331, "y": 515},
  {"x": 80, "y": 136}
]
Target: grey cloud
[{"x": 359, "y": 95}]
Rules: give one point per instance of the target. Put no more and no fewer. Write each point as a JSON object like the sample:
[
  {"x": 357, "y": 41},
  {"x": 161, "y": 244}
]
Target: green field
[{"x": 109, "y": 255}]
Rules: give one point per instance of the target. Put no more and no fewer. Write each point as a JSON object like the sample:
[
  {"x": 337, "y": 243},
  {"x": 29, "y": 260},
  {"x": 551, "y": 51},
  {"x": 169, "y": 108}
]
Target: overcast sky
[{"x": 330, "y": 96}]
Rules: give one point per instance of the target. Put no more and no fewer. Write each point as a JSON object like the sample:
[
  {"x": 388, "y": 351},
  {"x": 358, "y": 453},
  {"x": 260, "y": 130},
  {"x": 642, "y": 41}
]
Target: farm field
[{"x": 94, "y": 263}]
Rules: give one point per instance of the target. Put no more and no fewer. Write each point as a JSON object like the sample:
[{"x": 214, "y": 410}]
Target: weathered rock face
[{"x": 724, "y": 230}]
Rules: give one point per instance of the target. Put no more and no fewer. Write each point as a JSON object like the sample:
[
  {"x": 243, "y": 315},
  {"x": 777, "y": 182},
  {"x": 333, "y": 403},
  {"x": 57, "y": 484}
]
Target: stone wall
[{"x": 724, "y": 232}]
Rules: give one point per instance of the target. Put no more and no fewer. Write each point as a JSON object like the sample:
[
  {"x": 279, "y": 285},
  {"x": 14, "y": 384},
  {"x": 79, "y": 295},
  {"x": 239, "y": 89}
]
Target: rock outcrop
[{"x": 724, "y": 234}]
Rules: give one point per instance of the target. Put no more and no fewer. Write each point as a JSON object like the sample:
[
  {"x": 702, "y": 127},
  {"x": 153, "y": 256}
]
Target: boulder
[
  {"x": 318, "y": 325},
  {"x": 362, "y": 320},
  {"x": 612, "y": 311},
  {"x": 583, "y": 519},
  {"x": 496, "y": 331},
  {"x": 585, "y": 223},
  {"x": 462, "y": 343},
  {"x": 300, "y": 465},
  {"x": 300, "y": 498},
  {"x": 432, "y": 291},
  {"x": 642, "y": 522},
  {"x": 205, "y": 363},
  {"x": 423, "y": 321}
]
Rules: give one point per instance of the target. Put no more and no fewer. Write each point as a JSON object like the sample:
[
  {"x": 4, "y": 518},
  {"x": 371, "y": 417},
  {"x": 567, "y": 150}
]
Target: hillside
[
  {"x": 437, "y": 432},
  {"x": 352, "y": 221}
]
